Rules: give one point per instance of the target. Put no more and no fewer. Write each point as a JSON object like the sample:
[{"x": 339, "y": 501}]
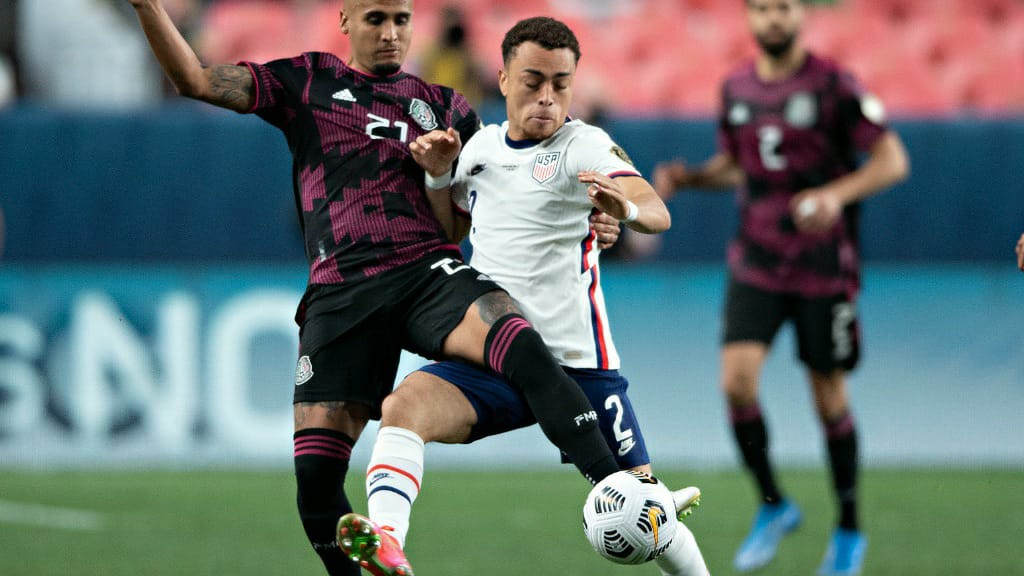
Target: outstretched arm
[
  {"x": 721, "y": 172},
  {"x": 222, "y": 85}
]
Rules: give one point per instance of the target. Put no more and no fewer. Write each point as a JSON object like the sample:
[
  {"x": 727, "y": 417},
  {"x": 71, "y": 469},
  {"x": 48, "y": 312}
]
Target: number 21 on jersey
[{"x": 380, "y": 127}]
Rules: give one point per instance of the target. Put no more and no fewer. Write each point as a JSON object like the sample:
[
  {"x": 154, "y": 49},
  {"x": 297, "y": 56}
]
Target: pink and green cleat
[{"x": 371, "y": 546}]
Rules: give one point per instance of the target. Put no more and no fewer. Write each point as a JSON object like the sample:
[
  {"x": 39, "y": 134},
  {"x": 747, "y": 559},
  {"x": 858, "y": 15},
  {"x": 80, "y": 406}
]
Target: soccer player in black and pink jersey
[
  {"x": 383, "y": 276},
  {"x": 792, "y": 127}
]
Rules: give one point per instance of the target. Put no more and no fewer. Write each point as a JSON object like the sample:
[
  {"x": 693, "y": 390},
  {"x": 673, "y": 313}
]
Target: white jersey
[{"x": 531, "y": 231}]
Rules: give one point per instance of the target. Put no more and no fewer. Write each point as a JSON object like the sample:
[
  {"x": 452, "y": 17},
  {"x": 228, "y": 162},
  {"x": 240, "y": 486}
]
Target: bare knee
[
  {"x": 741, "y": 369},
  {"x": 400, "y": 409},
  {"x": 430, "y": 406},
  {"x": 830, "y": 397}
]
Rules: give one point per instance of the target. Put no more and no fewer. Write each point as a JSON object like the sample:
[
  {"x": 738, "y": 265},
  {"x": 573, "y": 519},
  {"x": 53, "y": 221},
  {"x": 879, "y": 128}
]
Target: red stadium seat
[
  {"x": 921, "y": 56},
  {"x": 265, "y": 30}
]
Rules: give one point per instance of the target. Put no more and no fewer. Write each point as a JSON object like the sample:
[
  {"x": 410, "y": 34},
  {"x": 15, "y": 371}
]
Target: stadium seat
[
  {"x": 921, "y": 56},
  {"x": 268, "y": 29}
]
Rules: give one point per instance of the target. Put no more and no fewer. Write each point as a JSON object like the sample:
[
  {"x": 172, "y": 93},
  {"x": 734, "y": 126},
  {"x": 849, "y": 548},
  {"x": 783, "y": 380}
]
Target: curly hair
[{"x": 551, "y": 34}]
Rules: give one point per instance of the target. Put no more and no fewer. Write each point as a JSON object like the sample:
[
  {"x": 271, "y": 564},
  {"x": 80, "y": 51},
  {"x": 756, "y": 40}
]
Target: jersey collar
[{"x": 528, "y": 143}]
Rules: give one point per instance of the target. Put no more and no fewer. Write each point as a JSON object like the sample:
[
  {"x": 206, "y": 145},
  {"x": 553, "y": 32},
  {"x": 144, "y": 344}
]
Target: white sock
[
  {"x": 393, "y": 479},
  {"x": 683, "y": 557}
]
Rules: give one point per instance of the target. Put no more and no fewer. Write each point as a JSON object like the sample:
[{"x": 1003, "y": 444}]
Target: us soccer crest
[
  {"x": 545, "y": 166},
  {"x": 422, "y": 114}
]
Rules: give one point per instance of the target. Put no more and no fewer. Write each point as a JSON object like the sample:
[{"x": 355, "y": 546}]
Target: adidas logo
[{"x": 344, "y": 95}]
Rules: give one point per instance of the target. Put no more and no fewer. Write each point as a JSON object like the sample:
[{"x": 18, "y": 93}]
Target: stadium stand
[{"x": 922, "y": 57}]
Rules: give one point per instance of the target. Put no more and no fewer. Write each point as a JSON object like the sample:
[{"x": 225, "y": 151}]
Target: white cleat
[{"x": 686, "y": 499}]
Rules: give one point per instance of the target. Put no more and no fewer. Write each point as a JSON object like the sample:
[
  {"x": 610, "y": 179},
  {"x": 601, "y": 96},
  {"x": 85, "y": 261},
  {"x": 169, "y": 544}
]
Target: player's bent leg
[
  {"x": 324, "y": 435},
  {"x": 508, "y": 344},
  {"x": 430, "y": 406},
  {"x": 424, "y": 408}
]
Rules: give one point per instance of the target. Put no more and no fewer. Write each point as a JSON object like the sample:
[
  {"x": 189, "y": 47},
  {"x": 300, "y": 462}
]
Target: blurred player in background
[
  {"x": 451, "y": 61},
  {"x": 1020, "y": 251},
  {"x": 791, "y": 127},
  {"x": 383, "y": 274},
  {"x": 530, "y": 187}
]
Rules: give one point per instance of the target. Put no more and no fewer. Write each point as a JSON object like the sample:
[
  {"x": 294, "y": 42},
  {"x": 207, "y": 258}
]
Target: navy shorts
[{"x": 501, "y": 408}]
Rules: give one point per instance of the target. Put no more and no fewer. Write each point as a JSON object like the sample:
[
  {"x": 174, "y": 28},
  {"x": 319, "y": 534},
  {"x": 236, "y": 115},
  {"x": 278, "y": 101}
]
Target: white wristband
[
  {"x": 437, "y": 182},
  {"x": 634, "y": 212}
]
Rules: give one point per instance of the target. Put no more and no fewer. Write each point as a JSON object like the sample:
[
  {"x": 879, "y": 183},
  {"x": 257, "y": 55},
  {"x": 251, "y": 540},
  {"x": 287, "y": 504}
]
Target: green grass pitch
[{"x": 515, "y": 523}]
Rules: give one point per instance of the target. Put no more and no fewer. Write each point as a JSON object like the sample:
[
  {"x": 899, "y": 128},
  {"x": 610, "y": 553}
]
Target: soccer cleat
[
  {"x": 686, "y": 499},
  {"x": 845, "y": 554},
  {"x": 773, "y": 521},
  {"x": 371, "y": 546}
]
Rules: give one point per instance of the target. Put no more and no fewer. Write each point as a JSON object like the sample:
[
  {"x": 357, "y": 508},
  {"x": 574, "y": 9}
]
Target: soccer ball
[{"x": 630, "y": 517}]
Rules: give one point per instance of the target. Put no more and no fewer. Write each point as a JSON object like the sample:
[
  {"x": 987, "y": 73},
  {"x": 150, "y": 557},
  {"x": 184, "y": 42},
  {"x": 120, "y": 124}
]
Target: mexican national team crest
[
  {"x": 545, "y": 166},
  {"x": 422, "y": 114},
  {"x": 801, "y": 110},
  {"x": 303, "y": 371}
]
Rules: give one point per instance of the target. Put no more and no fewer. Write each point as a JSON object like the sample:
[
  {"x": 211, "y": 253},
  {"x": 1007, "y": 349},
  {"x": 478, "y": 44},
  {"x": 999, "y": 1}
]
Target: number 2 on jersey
[
  {"x": 623, "y": 437},
  {"x": 769, "y": 138}
]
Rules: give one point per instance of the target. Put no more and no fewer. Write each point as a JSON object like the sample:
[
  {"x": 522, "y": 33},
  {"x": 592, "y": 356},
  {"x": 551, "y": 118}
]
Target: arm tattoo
[
  {"x": 231, "y": 87},
  {"x": 494, "y": 305}
]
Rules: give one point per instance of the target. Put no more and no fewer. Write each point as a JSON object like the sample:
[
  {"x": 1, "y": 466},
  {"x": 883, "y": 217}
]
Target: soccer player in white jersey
[{"x": 525, "y": 192}]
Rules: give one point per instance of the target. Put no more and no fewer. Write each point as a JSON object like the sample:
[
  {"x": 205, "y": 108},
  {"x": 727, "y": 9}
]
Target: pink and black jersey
[
  {"x": 787, "y": 136},
  {"x": 358, "y": 192}
]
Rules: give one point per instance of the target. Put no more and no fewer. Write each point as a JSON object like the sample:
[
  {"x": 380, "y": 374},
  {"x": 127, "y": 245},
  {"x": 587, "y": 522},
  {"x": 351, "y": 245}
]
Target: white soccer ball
[{"x": 630, "y": 517}]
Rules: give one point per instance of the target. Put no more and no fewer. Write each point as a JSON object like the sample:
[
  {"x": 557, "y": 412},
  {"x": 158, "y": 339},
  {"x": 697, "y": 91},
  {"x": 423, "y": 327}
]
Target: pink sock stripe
[
  {"x": 343, "y": 450},
  {"x": 320, "y": 452},
  {"x": 500, "y": 343},
  {"x": 321, "y": 438},
  {"x": 740, "y": 414},
  {"x": 839, "y": 428},
  {"x": 503, "y": 341},
  {"x": 336, "y": 447},
  {"x": 394, "y": 469}
]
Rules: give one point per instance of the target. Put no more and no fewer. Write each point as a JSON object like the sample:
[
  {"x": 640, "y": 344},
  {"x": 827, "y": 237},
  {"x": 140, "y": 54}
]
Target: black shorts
[
  {"x": 827, "y": 329},
  {"x": 351, "y": 337}
]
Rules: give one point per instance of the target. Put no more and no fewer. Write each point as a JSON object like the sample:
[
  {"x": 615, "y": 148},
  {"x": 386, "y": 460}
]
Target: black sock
[
  {"x": 841, "y": 438},
  {"x": 321, "y": 462},
  {"x": 752, "y": 440},
  {"x": 515, "y": 350}
]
